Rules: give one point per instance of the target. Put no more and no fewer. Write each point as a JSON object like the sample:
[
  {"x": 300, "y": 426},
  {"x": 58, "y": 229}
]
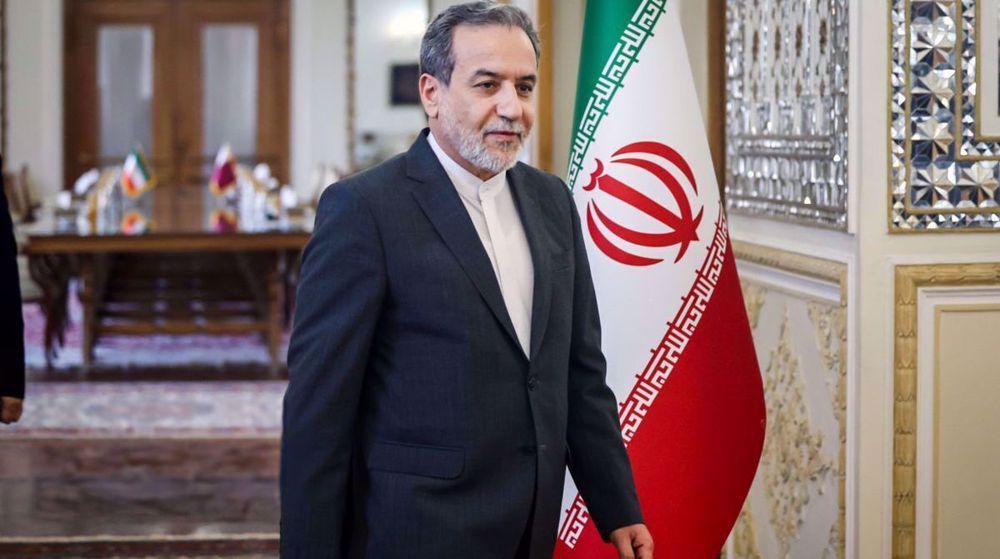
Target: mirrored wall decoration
[
  {"x": 786, "y": 110},
  {"x": 944, "y": 121}
]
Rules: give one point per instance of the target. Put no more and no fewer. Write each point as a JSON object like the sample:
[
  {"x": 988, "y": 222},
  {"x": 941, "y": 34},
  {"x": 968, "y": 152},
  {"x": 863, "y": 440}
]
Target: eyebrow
[{"x": 484, "y": 73}]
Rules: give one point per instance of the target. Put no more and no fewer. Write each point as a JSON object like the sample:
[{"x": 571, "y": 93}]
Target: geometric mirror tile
[
  {"x": 786, "y": 110},
  {"x": 944, "y": 172}
]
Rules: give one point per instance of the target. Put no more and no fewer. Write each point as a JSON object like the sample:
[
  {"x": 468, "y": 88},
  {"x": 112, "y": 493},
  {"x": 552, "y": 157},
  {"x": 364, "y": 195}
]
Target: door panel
[
  {"x": 100, "y": 120},
  {"x": 212, "y": 41},
  {"x": 229, "y": 87},
  {"x": 124, "y": 88}
]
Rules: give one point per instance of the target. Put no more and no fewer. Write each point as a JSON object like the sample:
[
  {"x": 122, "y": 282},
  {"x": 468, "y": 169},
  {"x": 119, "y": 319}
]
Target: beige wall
[
  {"x": 34, "y": 81},
  {"x": 967, "y": 453}
]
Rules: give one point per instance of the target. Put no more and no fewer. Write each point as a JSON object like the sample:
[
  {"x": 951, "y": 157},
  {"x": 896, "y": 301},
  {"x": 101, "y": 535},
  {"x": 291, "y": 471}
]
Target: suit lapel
[
  {"x": 534, "y": 229},
  {"x": 440, "y": 202}
]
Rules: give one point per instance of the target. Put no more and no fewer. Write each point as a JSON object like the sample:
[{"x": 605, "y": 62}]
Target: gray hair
[{"x": 436, "y": 55}]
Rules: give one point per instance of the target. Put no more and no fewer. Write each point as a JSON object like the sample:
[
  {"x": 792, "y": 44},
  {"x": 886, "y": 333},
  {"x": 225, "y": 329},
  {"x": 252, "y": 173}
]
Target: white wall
[
  {"x": 34, "y": 81},
  {"x": 319, "y": 93},
  {"x": 694, "y": 22},
  {"x": 387, "y": 32}
]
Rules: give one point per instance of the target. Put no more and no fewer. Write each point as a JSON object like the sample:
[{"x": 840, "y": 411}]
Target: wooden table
[{"x": 181, "y": 277}]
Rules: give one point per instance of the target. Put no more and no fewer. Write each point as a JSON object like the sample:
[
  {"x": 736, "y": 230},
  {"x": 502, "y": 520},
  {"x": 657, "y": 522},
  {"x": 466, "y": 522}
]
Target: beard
[{"x": 471, "y": 144}]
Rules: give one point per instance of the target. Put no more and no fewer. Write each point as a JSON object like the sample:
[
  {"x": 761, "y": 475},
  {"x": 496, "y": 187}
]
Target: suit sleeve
[
  {"x": 339, "y": 302},
  {"x": 597, "y": 458},
  {"x": 12, "y": 333}
]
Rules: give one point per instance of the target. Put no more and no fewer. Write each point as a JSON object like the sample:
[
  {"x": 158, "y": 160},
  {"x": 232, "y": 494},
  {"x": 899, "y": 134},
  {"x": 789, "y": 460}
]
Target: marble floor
[
  {"x": 168, "y": 447},
  {"x": 143, "y": 462},
  {"x": 138, "y": 497}
]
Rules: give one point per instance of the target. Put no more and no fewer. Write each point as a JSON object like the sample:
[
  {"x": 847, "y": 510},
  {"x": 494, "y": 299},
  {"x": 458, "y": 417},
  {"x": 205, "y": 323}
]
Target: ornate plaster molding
[{"x": 836, "y": 273}]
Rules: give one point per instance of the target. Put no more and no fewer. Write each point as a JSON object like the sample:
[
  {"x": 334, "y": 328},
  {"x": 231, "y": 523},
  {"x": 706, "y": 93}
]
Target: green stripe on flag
[
  {"x": 140, "y": 162},
  {"x": 613, "y": 34}
]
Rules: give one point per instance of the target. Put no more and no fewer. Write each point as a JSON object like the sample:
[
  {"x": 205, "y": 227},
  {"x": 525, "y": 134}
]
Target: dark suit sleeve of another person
[
  {"x": 598, "y": 461},
  {"x": 339, "y": 301},
  {"x": 12, "y": 329}
]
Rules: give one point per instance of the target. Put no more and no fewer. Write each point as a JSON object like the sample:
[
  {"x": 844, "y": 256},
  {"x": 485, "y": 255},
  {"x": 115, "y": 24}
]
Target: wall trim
[{"x": 909, "y": 280}]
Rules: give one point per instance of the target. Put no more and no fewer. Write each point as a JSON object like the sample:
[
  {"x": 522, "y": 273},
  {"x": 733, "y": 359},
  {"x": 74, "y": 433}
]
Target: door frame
[{"x": 173, "y": 132}]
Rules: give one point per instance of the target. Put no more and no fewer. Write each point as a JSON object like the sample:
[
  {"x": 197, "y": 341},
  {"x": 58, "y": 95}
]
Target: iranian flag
[
  {"x": 680, "y": 356},
  {"x": 137, "y": 177}
]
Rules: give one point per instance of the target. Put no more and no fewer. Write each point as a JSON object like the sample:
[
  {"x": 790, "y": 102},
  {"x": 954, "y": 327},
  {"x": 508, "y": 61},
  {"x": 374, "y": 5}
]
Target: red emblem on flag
[{"x": 682, "y": 225}]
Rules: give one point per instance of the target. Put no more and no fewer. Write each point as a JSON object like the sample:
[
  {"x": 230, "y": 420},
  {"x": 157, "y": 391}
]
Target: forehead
[{"x": 498, "y": 48}]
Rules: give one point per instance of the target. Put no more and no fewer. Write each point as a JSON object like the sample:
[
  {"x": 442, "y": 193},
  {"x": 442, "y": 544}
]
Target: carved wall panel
[{"x": 796, "y": 505}]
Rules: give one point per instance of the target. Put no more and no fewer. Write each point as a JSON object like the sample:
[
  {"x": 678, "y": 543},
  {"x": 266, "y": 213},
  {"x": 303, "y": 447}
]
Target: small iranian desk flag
[
  {"x": 681, "y": 359},
  {"x": 137, "y": 177}
]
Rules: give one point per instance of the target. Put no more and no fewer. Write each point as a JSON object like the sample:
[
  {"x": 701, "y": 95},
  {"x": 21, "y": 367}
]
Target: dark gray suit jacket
[{"x": 414, "y": 424}]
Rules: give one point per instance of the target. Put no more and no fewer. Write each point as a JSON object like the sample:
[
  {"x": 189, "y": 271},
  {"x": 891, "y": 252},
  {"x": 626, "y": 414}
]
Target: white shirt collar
[{"x": 468, "y": 185}]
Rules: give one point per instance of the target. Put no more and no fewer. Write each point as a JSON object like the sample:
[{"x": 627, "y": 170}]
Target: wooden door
[
  {"x": 179, "y": 78},
  {"x": 107, "y": 43}
]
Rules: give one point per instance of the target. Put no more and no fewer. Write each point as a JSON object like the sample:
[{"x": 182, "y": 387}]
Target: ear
[{"x": 430, "y": 91}]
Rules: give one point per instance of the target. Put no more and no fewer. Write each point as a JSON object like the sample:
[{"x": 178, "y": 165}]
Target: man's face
[{"x": 485, "y": 114}]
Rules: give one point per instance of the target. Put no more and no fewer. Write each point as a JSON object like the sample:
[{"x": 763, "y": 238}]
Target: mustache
[{"x": 510, "y": 128}]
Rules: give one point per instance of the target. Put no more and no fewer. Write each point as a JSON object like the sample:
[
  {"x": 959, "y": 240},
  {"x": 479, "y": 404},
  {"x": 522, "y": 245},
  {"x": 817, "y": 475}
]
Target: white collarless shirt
[{"x": 491, "y": 206}]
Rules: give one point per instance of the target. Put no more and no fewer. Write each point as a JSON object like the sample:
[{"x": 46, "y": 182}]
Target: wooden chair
[
  {"x": 23, "y": 205},
  {"x": 12, "y": 189},
  {"x": 21, "y": 196}
]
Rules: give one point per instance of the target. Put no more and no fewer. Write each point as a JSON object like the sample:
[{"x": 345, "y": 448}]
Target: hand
[
  {"x": 10, "y": 409},
  {"x": 633, "y": 542}
]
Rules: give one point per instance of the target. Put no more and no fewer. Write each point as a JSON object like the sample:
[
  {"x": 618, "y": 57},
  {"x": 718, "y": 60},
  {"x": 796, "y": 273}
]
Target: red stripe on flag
[{"x": 697, "y": 449}]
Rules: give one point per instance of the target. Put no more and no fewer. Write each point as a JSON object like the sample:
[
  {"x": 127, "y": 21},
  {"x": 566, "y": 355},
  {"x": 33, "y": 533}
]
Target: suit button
[{"x": 532, "y": 382}]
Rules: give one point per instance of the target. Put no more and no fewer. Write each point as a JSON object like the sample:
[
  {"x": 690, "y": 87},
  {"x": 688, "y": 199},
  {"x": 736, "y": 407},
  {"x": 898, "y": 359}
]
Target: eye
[
  {"x": 526, "y": 88},
  {"x": 488, "y": 86}
]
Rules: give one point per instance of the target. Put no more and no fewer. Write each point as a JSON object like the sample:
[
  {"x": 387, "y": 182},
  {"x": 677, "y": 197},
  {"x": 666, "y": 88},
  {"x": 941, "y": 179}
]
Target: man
[
  {"x": 445, "y": 363},
  {"x": 12, "y": 333}
]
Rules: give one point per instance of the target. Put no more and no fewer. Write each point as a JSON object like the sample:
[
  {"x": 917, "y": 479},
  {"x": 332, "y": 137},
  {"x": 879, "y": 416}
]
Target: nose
[{"x": 508, "y": 103}]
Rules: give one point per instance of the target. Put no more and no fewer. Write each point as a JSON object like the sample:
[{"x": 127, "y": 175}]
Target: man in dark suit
[
  {"x": 445, "y": 363},
  {"x": 12, "y": 331}
]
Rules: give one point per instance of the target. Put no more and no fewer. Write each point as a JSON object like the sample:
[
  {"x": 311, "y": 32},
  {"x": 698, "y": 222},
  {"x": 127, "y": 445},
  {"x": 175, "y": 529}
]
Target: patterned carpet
[
  {"x": 206, "y": 409},
  {"x": 197, "y": 407},
  {"x": 117, "y": 352}
]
